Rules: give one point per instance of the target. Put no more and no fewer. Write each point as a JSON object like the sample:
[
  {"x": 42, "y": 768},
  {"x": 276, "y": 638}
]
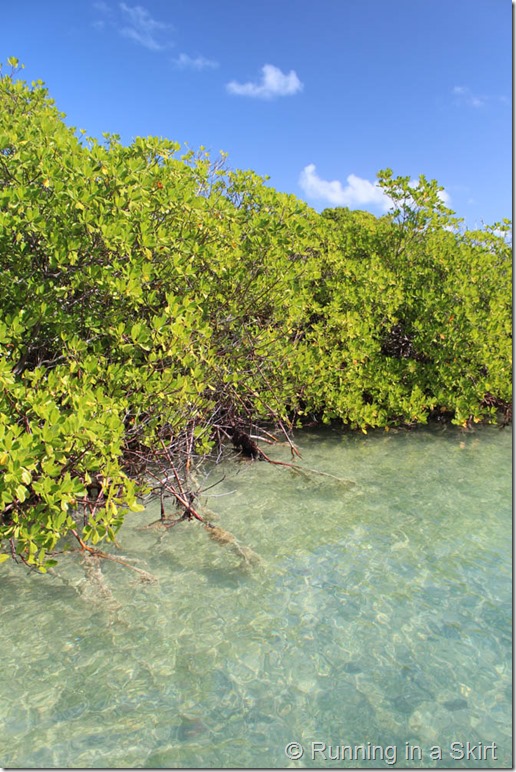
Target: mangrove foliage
[{"x": 155, "y": 304}]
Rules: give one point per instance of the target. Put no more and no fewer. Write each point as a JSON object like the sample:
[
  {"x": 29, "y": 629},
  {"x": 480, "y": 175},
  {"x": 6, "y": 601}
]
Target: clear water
[{"x": 379, "y": 612}]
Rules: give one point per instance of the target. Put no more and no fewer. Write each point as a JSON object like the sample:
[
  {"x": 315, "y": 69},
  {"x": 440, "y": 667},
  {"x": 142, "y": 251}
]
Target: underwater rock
[{"x": 457, "y": 704}]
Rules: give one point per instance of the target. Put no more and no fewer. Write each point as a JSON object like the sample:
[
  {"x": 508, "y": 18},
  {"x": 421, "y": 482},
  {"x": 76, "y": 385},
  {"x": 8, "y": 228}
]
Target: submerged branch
[{"x": 123, "y": 561}]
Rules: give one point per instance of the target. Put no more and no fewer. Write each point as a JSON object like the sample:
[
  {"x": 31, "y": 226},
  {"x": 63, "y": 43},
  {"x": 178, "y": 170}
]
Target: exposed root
[
  {"x": 185, "y": 488},
  {"x": 245, "y": 443}
]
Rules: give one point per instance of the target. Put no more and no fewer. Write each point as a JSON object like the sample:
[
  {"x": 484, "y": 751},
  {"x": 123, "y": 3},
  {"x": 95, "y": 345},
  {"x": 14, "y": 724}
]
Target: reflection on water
[{"x": 379, "y": 613}]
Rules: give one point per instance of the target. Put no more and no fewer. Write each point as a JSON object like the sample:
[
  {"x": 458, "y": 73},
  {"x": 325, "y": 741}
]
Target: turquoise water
[{"x": 378, "y": 615}]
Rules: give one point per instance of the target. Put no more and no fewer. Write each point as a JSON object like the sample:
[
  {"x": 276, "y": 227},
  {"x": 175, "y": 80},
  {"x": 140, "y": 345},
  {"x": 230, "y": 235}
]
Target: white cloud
[
  {"x": 445, "y": 198},
  {"x": 465, "y": 96},
  {"x": 506, "y": 235},
  {"x": 273, "y": 83},
  {"x": 141, "y": 27},
  {"x": 185, "y": 62},
  {"x": 357, "y": 193}
]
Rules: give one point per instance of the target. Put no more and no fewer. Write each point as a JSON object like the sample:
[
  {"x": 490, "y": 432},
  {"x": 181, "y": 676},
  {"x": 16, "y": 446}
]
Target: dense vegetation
[{"x": 153, "y": 305}]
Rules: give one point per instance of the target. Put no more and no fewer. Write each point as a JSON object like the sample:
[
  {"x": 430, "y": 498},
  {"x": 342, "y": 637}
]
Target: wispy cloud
[
  {"x": 105, "y": 12},
  {"x": 142, "y": 28},
  {"x": 185, "y": 62},
  {"x": 465, "y": 96},
  {"x": 133, "y": 22},
  {"x": 274, "y": 83},
  {"x": 356, "y": 193},
  {"x": 101, "y": 6}
]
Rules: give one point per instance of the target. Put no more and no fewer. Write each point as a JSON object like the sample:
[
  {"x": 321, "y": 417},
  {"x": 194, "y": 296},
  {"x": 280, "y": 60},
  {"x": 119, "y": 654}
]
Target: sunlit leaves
[
  {"x": 144, "y": 291},
  {"x": 445, "y": 291}
]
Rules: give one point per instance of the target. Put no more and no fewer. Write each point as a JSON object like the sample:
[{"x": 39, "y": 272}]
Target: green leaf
[{"x": 21, "y": 493}]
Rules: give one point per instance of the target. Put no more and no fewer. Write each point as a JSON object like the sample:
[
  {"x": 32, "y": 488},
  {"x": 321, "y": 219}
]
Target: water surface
[{"x": 379, "y": 612}]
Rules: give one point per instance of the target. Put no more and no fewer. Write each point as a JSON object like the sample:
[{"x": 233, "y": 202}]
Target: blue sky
[{"x": 318, "y": 95}]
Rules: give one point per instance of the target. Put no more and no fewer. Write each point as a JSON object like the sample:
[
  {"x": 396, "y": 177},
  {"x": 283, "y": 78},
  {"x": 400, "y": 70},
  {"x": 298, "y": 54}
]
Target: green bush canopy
[{"x": 152, "y": 301}]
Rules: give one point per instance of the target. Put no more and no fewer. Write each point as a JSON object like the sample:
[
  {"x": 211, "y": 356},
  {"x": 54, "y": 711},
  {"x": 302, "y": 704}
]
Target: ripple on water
[{"x": 379, "y": 612}]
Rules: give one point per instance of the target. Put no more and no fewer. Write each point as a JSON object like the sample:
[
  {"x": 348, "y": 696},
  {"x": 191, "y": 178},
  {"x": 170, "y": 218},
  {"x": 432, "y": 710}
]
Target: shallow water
[{"x": 378, "y": 617}]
